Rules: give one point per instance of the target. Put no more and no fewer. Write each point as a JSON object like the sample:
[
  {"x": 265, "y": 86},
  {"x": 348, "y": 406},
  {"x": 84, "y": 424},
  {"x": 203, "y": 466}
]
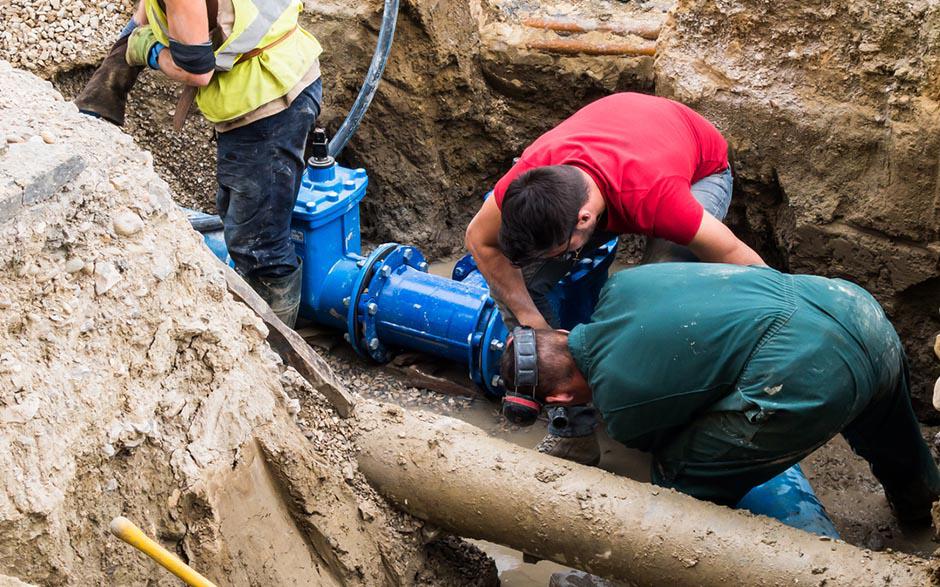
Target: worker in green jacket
[{"x": 729, "y": 375}]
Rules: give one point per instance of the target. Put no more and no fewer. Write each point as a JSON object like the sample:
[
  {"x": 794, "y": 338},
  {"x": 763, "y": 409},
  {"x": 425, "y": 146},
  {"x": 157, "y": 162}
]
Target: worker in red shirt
[{"x": 627, "y": 163}]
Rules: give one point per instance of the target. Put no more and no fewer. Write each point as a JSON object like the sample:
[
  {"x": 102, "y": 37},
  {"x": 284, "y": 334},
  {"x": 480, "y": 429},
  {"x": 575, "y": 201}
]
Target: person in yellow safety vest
[{"x": 254, "y": 73}]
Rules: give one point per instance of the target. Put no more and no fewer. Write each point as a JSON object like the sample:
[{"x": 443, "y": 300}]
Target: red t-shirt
[{"x": 644, "y": 152}]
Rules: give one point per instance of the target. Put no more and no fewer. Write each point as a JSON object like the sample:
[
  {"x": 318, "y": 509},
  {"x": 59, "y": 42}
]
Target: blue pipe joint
[
  {"x": 790, "y": 498},
  {"x": 405, "y": 307}
]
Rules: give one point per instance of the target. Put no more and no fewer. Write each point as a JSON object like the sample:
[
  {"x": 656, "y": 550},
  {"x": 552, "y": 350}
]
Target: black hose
[{"x": 382, "y": 48}]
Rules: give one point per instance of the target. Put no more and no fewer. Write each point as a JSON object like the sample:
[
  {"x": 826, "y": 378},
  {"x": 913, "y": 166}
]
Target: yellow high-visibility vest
[{"x": 238, "y": 88}]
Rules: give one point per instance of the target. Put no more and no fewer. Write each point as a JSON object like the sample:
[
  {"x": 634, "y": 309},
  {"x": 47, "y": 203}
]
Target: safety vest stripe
[
  {"x": 268, "y": 13},
  {"x": 158, "y": 16}
]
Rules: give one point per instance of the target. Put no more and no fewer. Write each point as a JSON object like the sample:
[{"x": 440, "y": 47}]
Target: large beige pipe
[{"x": 458, "y": 478}]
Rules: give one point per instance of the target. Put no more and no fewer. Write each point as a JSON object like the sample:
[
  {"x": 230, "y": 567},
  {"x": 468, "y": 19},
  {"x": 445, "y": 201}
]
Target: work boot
[
  {"x": 281, "y": 293},
  {"x": 584, "y": 450},
  {"x": 911, "y": 503},
  {"x": 105, "y": 94}
]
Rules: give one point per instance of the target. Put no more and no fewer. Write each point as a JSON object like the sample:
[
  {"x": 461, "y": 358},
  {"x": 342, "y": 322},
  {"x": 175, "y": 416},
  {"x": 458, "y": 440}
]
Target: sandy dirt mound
[
  {"x": 132, "y": 383},
  {"x": 833, "y": 110}
]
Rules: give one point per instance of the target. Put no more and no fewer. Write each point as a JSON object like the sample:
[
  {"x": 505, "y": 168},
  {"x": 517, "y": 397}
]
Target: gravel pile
[{"x": 47, "y": 36}]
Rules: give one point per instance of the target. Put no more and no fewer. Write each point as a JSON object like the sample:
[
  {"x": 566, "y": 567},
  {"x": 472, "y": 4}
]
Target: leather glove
[{"x": 139, "y": 44}]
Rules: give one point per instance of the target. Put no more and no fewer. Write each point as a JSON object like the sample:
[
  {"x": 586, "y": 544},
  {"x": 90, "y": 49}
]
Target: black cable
[{"x": 371, "y": 83}]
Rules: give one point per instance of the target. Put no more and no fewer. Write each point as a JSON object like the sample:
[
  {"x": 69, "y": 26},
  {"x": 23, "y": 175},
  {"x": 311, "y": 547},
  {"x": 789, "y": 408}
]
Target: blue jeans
[
  {"x": 259, "y": 169},
  {"x": 714, "y": 194}
]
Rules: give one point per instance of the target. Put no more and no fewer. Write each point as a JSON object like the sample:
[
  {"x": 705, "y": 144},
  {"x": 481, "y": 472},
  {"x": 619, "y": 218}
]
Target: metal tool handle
[{"x": 131, "y": 534}]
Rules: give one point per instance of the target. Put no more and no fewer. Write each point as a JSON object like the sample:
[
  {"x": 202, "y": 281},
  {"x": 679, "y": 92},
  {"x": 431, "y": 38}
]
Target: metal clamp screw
[
  {"x": 372, "y": 308},
  {"x": 496, "y": 345},
  {"x": 374, "y": 344}
]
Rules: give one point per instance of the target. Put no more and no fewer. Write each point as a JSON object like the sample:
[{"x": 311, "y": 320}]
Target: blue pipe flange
[
  {"x": 396, "y": 260},
  {"x": 592, "y": 261},
  {"x": 491, "y": 352},
  {"x": 464, "y": 267},
  {"x": 476, "y": 341},
  {"x": 359, "y": 343}
]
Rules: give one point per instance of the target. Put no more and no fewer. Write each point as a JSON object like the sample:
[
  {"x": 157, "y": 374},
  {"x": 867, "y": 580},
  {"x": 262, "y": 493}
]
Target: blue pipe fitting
[{"x": 325, "y": 232}]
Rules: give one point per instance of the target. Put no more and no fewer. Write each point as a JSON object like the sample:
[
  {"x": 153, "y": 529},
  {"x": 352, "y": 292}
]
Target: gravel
[{"x": 46, "y": 36}]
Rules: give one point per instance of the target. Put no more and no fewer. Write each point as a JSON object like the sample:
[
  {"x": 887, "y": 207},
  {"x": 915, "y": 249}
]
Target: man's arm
[
  {"x": 189, "y": 24},
  {"x": 504, "y": 279},
  {"x": 715, "y": 243}
]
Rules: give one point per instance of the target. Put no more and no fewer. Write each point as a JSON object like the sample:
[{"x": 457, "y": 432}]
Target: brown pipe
[
  {"x": 455, "y": 476},
  {"x": 579, "y": 47},
  {"x": 564, "y": 25}
]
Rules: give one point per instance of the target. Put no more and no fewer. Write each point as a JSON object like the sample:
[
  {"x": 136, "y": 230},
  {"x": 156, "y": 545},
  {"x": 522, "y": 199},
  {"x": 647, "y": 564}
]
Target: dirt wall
[{"x": 833, "y": 112}]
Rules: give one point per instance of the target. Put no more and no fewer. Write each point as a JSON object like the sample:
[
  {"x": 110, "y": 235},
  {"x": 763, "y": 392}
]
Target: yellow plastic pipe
[{"x": 131, "y": 534}]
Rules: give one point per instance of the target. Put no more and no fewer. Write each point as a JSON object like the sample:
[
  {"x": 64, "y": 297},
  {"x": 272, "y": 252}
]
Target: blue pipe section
[
  {"x": 387, "y": 302},
  {"x": 790, "y": 498}
]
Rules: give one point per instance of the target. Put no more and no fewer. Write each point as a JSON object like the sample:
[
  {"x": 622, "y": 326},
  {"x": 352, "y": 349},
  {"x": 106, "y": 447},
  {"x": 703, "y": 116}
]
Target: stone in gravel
[
  {"x": 15, "y": 139},
  {"x": 106, "y": 276},
  {"x": 74, "y": 265},
  {"x": 126, "y": 222},
  {"x": 47, "y": 137}
]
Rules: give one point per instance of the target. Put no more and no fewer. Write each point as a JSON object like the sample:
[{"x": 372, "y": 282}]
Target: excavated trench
[
  {"x": 844, "y": 188},
  {"x": 463, "y": 95}
]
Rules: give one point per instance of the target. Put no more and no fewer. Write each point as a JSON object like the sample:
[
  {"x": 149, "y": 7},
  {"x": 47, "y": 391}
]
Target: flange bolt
[
  {"x": 374, "y": 344},
  {"x": 372, "y": 308},
  {"x": 496, "y": 345}
]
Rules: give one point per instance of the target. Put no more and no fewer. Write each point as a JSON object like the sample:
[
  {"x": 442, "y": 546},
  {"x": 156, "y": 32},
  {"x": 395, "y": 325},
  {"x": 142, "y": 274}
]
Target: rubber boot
[
  {"x": 105, "y": 94},
  {"x": 584, "y": 450},
  {"x": 912, "y": 502},
  {"x": 281, "y": 293}
]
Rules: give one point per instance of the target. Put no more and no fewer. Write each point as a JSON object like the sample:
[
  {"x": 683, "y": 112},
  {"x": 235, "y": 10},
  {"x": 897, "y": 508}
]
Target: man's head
[
  {"x": 546, "y": 213},
  {"x": 560, "y": 381}
]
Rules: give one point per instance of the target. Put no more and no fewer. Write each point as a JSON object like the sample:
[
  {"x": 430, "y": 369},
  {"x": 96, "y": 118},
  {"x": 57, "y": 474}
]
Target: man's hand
[
  {"x": 715, "y": 243},
  {"x": 139, "y": 44},
  {"x": 505, "y": 280}
]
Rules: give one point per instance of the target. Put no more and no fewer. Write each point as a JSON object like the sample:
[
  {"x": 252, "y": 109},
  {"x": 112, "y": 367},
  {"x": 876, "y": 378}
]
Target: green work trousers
[{"x": 806, "y": 382}]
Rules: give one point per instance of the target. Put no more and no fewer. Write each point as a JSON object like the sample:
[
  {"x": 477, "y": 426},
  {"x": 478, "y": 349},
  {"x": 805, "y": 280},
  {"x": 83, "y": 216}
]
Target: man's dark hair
[
  {"x": 540, "y": 210},
  {"x": 555, "y": 363}
]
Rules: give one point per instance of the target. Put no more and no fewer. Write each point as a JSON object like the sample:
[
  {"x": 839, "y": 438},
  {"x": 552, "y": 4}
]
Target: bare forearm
[
  {"x": 189, "y": 24},
  {"x": 173, "y": 71},
  {"x": 741, "y": 254},
  {"x": 507, "y": 285},
  {"x": 715, "y": 243}
]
